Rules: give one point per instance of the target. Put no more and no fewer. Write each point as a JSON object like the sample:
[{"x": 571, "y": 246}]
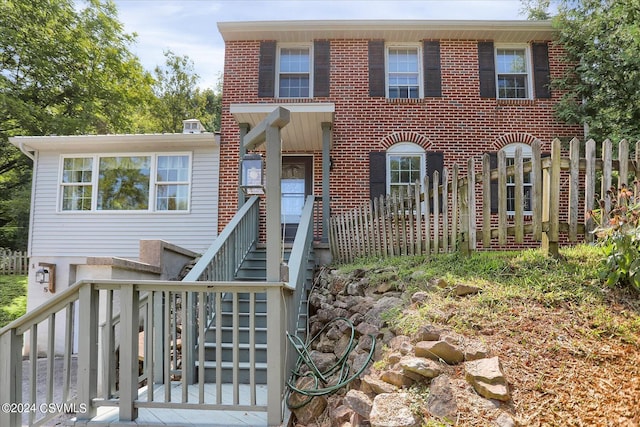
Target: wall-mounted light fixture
[
  {"x": 252, "y": 168},
  {"x": 46, "y": 275}
]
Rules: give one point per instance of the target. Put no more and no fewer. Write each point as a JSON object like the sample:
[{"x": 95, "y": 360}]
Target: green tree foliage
[
  {"x": 179, "y": 98},
  {"x": 536, "y": 10},
  {"x": 602, "y": 41},
  {"x": 64, "y": 69}
]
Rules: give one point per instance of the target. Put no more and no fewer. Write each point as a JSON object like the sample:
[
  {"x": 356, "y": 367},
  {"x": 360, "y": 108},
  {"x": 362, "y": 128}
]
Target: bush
[{"x": 619, "y": 238}]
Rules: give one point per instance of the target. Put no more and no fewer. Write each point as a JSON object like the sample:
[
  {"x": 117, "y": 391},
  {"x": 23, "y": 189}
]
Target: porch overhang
[{"x": 304, "y": 131}]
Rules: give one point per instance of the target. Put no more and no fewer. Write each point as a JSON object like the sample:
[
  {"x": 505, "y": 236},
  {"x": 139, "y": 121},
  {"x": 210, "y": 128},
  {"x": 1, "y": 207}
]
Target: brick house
[{"x": 378, "y": 104}]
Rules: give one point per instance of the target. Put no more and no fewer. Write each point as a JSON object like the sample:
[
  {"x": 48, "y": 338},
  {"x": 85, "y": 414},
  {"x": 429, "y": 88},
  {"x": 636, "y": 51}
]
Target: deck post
[
  {"x": 88, "y": 349},
  {"x": 11, "y": 374},
  {"x": 129, "y": 327},
  {"x": 275, "y": 355}
]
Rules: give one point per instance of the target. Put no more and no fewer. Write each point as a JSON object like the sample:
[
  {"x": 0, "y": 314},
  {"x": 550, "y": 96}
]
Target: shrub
[{"x": 619, "y": 238}]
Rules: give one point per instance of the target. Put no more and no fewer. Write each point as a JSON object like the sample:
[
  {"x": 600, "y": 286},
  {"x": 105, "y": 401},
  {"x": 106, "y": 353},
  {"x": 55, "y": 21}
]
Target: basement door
[{"x": 296, "y": 185}]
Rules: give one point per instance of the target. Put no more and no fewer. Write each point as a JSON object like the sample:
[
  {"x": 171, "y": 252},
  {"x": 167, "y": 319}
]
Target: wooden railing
[
  {"x": 13, "y": 262},
  {"x": 95, "y": 387},
  {"x": 164, "y": 320},
  {"x": 453, "y": 211}
]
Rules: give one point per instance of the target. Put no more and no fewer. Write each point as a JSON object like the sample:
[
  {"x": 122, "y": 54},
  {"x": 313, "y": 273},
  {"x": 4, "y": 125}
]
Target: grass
[
  {"x": 515, "y": 285},
  {"x": 567, "y": 343},
  {"x": 13, "y": 298}
]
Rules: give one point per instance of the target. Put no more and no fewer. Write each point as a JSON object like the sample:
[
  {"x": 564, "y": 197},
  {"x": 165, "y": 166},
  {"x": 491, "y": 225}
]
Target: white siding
[{"x": 55, "y": 233}]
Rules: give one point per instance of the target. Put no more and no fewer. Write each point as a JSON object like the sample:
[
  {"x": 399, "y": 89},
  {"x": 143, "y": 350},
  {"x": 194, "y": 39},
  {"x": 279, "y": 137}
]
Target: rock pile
[{"x": 393, "y": 391}]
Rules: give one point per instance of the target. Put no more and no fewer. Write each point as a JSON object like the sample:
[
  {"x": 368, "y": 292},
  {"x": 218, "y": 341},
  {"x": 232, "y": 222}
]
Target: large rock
[
  {"x": 392, "y": 410},
  {"x": 486, "y": 377},
  {"x": 381, "y": 306},
  {"x": 424, "y": 367},
  {"x": 427, "y": 332},
  {"x": 376, "y": 386},
  {"x": 313, "y": 409},
  {"x": 439, "y": 350},
  {"x": 359, "y": 402},
  {"x": 442, "y": 402},
  {"x": 397, "y": 378}
]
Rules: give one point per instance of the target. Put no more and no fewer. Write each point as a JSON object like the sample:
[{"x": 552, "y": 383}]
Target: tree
[
  {"x": 536, "y": 10},
  {"x": 179, "y": 98},
  {"x": 602, "y": 40},
  {"x": 63, "y": 71}
]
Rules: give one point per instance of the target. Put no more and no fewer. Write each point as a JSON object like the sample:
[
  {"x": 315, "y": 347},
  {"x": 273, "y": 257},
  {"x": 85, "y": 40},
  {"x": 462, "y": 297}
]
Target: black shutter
[
  {"x": 377, "y": 174},
  {"x": 376, "y": 68},
  {"x": 431, "y": 55},
  {"x": 493, "y": 164},
  {"x": 541, "y": 72},
  {"x": 267, "y": 69},
  {"x": 487, "y": 70},
  {"x": 435, "y": 162},
  {"x": 321, "y": 55}
]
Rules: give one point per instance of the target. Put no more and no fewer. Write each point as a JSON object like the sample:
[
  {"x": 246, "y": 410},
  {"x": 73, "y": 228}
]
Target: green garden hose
[{"x": 322, "y": 378}]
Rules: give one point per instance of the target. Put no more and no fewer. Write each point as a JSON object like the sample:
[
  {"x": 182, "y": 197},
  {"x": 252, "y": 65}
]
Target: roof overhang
[
  {"x": 303, "y": 133},
  {"x": 389, "y": 30},
  {"x": 116, "y": 142}
]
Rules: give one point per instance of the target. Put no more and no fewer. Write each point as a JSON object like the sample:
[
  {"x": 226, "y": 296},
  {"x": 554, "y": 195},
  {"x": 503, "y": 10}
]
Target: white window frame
[
  {"x": 413, "y": 46},
  {"x": 528, "y": 70},
  {"x": 405, "y": 149},
  {"x": 527, "y": 153},
  {"x": 309, "y": 48},
  {"x": 153, "y": 182}
]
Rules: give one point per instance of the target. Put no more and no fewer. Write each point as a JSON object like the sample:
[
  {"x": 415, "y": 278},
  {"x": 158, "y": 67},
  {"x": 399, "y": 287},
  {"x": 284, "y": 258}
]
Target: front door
[{"x": 296, "y": 185}]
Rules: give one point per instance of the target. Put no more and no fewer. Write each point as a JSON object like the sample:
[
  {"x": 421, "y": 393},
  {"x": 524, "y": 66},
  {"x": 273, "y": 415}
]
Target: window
[
  {"x": 405, "y": 166},
  {"x": 172, "y": 183},
  {"x": 403, "y": 72},
  {"x": 294, "y": 72},
  {"x": 510, "y": 152},
  {"x": 126, "y": 183},
  {"x": 76, "y": 184},
  {"x": 512, "y": 73}
]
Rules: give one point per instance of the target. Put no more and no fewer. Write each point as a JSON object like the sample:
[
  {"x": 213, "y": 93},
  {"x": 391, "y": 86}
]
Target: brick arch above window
[
  {"x": 512, "y": 138},
  {"x": 405, "y": 136}
]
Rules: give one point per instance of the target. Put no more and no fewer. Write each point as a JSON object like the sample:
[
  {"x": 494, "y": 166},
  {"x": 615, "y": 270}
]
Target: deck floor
[{"x": 108, "y": 416}]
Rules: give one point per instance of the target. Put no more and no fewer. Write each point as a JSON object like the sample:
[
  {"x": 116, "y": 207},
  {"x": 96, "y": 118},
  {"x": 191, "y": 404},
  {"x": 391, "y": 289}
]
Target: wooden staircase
[{"x": 253, "y": 268}]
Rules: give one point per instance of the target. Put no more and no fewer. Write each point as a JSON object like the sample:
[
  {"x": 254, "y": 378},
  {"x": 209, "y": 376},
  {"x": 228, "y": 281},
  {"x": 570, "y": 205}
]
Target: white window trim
[
  {"x": 418, "y": 48},
  {"x": 405, "y": 149},
  {"x": 281, "y": 46},
  {"x": 529, "y": 65},
  {"x": 510, "y": 153},
  {"x": 153, "y": 183}
]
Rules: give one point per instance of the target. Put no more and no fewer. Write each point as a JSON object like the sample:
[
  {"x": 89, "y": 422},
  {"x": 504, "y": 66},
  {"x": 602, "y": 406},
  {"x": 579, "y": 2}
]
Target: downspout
[{"x": 34, "y": 177}]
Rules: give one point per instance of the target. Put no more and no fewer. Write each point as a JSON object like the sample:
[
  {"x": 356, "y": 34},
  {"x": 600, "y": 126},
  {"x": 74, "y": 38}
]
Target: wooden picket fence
[
  {"x": 13, "y": 262},
  {"x": 563, "y": 195}
]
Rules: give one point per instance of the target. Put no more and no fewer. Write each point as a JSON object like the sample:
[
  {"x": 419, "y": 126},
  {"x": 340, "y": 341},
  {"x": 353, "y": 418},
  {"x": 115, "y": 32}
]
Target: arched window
[
  {"x": 510, "y": 152},
  {"x": 405, "y": 166}
]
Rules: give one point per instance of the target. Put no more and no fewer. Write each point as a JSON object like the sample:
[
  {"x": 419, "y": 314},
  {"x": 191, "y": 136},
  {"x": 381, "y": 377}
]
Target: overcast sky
[{"x": 188, "y": 27}]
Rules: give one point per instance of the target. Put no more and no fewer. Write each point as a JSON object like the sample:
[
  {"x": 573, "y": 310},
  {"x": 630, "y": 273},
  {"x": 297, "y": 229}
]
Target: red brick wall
[{"x": 459, "y": 123}]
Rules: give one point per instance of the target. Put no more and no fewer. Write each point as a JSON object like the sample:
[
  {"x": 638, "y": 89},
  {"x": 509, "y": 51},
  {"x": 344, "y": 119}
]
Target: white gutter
[{"x": 26, "y": 152}]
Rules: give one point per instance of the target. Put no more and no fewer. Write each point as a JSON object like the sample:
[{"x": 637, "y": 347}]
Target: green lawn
[{"x": 13, "y": 298}]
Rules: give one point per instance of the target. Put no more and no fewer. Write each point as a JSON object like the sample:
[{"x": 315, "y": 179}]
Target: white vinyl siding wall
[{"x": 56, "y": 233}]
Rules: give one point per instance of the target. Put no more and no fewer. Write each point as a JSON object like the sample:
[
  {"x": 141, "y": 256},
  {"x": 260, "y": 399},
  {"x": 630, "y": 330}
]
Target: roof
[
  {"x": 390, "y": 30},
  {"x": 124, "y": 142}
]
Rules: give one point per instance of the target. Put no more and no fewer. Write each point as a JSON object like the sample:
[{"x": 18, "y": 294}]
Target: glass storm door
[{"x": 296, "y": 186}]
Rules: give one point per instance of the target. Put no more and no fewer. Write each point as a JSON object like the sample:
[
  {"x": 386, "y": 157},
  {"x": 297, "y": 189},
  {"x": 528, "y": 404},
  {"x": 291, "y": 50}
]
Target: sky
[{"x": 188, "y": 27}]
